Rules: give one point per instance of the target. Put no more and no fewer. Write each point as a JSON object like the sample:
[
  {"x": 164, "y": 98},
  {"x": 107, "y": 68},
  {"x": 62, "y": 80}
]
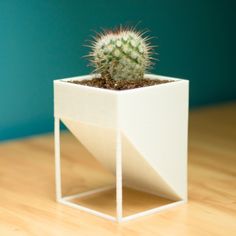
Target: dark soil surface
[{"x": 119, "y": 84}]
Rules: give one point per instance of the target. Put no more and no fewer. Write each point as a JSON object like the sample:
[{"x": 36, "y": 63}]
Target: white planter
[{"x": 139, "y": 134}]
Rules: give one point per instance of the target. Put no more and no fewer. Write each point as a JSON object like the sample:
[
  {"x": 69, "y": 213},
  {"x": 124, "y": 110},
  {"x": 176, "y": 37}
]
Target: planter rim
[{"x": 90, "y": 76}]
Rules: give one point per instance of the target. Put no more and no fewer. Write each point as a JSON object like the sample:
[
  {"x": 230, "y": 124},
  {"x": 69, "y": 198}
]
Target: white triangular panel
[
  {"x": 99, "y": 141},
  {"x": 137, "y": 173}
]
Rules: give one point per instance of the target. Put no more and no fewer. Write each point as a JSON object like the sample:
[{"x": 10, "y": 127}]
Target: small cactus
[{"x": 121, "y": 54}]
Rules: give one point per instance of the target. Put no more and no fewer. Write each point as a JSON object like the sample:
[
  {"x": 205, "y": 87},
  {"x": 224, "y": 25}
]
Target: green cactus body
[{"x": 121, "y": 55}]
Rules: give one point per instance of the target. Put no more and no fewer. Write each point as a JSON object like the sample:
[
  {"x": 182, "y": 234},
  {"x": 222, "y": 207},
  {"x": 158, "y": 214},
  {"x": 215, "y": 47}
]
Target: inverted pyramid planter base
[{"x": 139, "y": 135}]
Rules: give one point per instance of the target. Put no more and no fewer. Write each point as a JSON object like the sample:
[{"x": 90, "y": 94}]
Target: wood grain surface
[{"x": 27, "y": 198}]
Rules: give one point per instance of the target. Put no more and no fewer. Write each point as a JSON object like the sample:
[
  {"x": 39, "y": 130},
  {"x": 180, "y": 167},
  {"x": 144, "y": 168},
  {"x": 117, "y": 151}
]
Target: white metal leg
[
  {"x": 86, "y": 209},
  {"x": 90, "y": 192},
  {"x": 57, "y": 158},
  {"x": 119, "y": 206},
  {"x": 153, "y": 210}
]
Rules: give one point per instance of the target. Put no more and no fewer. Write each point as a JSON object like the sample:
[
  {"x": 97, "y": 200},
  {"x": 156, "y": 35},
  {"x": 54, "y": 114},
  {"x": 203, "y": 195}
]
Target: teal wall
[{"x": 42, "y": 40}]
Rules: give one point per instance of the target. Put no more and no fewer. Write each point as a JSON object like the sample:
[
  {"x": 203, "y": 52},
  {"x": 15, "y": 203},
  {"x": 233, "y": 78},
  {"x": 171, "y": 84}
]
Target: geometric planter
[{"x": 140, "y": 135}]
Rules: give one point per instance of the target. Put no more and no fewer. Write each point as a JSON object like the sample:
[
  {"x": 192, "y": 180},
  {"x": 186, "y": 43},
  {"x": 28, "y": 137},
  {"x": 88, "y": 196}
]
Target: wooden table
[{"x": 27, "y": 199}]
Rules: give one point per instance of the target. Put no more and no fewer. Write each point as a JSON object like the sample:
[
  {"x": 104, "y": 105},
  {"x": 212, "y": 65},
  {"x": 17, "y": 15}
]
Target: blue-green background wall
[{"x": 42, "y": 40}]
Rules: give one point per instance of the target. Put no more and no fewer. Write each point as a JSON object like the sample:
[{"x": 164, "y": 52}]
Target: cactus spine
[{"x": 121, "y": 54}]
